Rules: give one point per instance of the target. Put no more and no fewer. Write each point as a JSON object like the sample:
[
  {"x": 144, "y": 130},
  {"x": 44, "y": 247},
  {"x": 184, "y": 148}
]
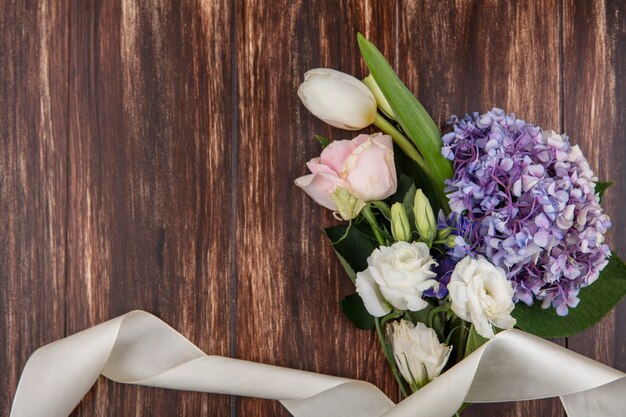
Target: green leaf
[
  {"x": 457, "y": 338},
  {"x": 601, "y": 187},
  {"x": 413, "y": 118},
  {"x": 596, "y": 301},
  {"x": 383, "y": 208},
  {"x": 405, "y": 185},
  {"x": 406, "y": 168},
  {"x": 418, "y": 316},
  {"x": 408, "y": 202},
  {"x": 409, "y": 198},
  {"x": 354, "y": 309},
  {"x": 346, "y": 267},
  {"x": 324, "y": 141},
  {"x": 474, "y": 341},
  {"x": 352, "y": 245}
]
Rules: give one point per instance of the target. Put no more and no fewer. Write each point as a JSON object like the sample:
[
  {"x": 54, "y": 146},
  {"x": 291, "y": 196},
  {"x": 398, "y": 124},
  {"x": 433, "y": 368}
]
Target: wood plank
[
  {"x": 33, "y": 137},
  {"x": 180, "y": 206},
  {"x": 150, "y": 182},
  {"x": 470, "y": 56},
  {"x": 289, "y": 282},
  {"x": 595, "y": 91}
]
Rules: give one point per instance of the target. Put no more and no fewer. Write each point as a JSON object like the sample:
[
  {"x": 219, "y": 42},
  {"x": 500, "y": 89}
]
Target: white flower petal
[
  {"x": 370, "y": 293},
  {"x": 481, "y": 294},
  {"x": 399, "y": 274},
  {"x": 418, "y": 353}
]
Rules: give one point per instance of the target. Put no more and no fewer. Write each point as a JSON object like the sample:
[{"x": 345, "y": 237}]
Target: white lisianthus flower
[
  {"x": 419, "y": 355},
  {"x": 396, "y": 277},
  {"x": 482, "y": 295},
  {"x": 338, "y": 99}
]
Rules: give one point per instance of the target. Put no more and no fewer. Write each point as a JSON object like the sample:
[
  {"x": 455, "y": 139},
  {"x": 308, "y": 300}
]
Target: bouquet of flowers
[{"x": 450, "y": 239}]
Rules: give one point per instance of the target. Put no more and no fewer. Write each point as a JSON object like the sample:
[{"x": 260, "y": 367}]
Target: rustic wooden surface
[{"x": 149, "y": 149}]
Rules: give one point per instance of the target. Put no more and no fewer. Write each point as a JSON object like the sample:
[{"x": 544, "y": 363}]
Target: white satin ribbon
[{"x": 138, "y": 348}]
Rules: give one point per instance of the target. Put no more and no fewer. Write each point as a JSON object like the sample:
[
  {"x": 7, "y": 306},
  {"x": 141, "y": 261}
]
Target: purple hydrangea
[{"x": 531, "y": 198}]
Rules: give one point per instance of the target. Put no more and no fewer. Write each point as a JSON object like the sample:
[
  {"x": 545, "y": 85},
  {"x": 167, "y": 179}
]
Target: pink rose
[{"x": 362, "y": 166}]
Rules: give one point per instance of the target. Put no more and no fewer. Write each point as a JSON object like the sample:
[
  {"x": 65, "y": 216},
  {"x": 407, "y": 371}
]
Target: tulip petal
[{"x": 338, "y": 99}]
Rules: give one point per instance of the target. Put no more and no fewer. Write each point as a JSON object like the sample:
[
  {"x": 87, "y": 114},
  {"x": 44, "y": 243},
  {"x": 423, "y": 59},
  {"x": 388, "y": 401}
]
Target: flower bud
[
  {"x": 451, "y": 241},
  {"x": 347, "y": 204},
  {"x": 338, "y": 99},
  {"x": 425, "y": 221},
  {"x": 400, "y": 228},
  {"x": 382, "y": 102},
  {"x": 442, "y": 234},
  {"x": 418, "y": 353}
]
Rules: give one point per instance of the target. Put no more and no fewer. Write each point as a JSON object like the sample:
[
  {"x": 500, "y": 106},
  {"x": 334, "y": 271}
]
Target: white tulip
[
  {"x": 338, "y": 99},
  {"x": 482, "y": 295},
  {"x": 396, "y": 276},
  {"x": 419, "y": 355}
]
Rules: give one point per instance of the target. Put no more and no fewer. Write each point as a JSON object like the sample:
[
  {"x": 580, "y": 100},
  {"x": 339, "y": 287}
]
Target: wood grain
[
  {"x": 33, "y": 139},
  {"x": 150, "y": 182},
  {"x": 289, "y": 280},
  {"x": 594, "y": 51},
  {"x": 150, "y": 148}
]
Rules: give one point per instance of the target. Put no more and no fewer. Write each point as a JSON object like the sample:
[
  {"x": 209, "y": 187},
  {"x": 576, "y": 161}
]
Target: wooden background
[{"x": 148, "y": 150}]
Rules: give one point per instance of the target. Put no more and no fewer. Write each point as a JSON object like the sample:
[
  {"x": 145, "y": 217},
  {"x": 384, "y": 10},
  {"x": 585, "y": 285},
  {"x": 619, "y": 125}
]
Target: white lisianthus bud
[
  {"x": 481, "y": 294},
  {"x": 400, "y": 228},
  {"x": 382, "y": 102},
  {"x": 425, "y": 221},
  {"x": 419, "y": 355},
  {"x": 338, "y": 99},
  {"x": 396, "y": 276}
]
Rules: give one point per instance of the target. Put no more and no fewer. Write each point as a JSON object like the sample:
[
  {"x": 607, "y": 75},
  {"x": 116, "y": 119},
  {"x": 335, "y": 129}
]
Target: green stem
[
  {"x": 369, "y": 216},
  {"x": 432, "y": 313},
  {"x": 383, "y": 208},
  {"x": 394, "y": 367},
  {"x": 462, "y": 344},
  {"x": 410, "y": 151},
  {"x": 402, "y": 142},
  {"x": 463, "y": 407}
]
